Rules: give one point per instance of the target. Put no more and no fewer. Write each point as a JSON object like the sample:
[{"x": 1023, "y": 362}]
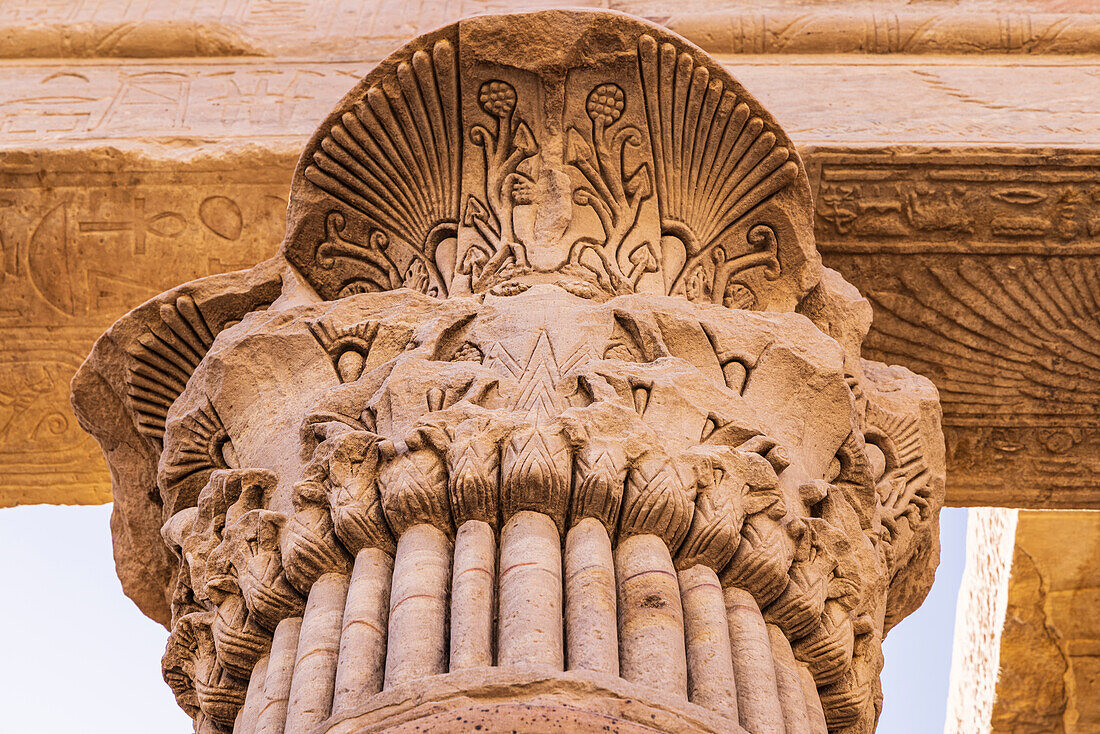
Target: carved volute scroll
[{"x": 545, "y": 416}]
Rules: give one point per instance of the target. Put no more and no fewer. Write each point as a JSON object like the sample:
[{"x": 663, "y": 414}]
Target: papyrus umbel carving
[{"x": 546, "y": 417}]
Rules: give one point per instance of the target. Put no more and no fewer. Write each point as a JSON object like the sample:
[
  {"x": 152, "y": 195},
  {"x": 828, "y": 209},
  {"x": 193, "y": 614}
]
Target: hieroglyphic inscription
[
  {"x": 962, "y": 204},
  {"x": 79, "y": 250},
  {"x": 982, "y": 271},
  {"x": 980, "y": 101},
  {"x": 44, "y": 456},
  {"x": 78, "y": 245},
  {"x": 105, "y": 100}
]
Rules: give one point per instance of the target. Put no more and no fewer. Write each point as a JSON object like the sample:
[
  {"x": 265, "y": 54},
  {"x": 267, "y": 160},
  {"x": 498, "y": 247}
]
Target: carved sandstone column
[
  {"x": 417, "y": 644},
  {"x": 362, "y": 661},
  {"x": 530, "y": 592},
  {"x": 472, "y": 596},
  {"x": 318, "y": 647},
  {"x": 545, "y": 415},
  {"x": 591, "y": 631},
  {"x": 651, "y": 616},
  {"x": 271, "y": 718}
]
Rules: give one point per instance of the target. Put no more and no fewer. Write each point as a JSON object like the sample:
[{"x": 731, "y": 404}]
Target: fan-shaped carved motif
[
  {"x": 164, "y": 359},
  {"x": 462, "y": 166},
  {"x": 202, "y": 446},
  {"x": 395, "y": 158},
  {"x": 714, "y": 162}
]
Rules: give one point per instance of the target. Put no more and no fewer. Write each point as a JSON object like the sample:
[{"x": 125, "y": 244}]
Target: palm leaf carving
[
  {"x": 714, "y": 161},
  {"x": 395, "y": 156}
]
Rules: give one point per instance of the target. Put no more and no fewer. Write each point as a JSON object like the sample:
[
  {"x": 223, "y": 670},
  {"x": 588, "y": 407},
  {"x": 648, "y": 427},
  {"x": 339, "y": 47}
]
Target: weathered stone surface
[
  {"x": 86, "y": 236},
  {"x": 982, "y": 275},
  {"x": 88, "y": 233},
  {"x": 1025, "y": 659},
  {"x": 539, "y": 270},
  {"x": 1007, "y": 102},
  {"x": 1050, "y": 646},
  {"x": 116, "y": 28},
  {"x": 109, "y": 167},
  {"x": 1031, "y": 686}
]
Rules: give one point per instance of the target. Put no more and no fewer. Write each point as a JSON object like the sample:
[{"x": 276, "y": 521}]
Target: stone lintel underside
[{"x": 958, "y": 194}]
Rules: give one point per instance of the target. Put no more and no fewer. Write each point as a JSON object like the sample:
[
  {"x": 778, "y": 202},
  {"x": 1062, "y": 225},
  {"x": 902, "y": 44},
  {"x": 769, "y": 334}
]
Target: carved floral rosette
[{"x": 547, "y": 394}]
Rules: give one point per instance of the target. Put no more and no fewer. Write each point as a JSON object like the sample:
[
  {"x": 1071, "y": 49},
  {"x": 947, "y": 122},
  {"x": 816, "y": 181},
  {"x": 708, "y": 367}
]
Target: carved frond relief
[
  {"x": 164, "y": 361},
  {"x": 473, "y": 482},
  {"x": 828, "y": 649},
  {"x": 765, "y": 553},
  {"x": 309, "y": 544},
  {"x": 614, "y": 192},
  {"x": 202, "y": 445},
  {"x": 659, "y": 174},
  {"x": 714, "y": 163},
  {"x": 413, "y": 487},
  {"x": 239, "y": 642},
  {"x": 251, "y": 546},
  {"x": 599, "y": 477},
  {"x": 347, "y": 346},
  {"x": 798, "y": 610},
  {"x": 505, "y": 143},
  {"x": 395, "y": 158},
  {"x": 895, "y": 444},
  {"x": 535, "y": 472},
  {"x": 537, "y": 394},
  {"x": 656, "y": 500},
  {"x": 541, "y": 382},
  {"x": 200, "y": 682},
  {"x": 178, "y": 666},
  {"x": 1009, "y": 330},
  {"x": 728, "y": 484}
]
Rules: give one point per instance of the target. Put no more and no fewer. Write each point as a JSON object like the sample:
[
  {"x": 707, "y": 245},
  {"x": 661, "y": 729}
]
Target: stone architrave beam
[
  {"x": 971, "y": 182},
  {"x": 352, "y": 29}
]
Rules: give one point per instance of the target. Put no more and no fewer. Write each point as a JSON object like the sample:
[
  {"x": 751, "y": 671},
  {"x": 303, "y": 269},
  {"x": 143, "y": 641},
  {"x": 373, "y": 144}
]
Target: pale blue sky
[{"x": 79, "y": 658}]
